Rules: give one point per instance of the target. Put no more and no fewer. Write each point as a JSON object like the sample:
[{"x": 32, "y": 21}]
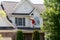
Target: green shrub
[
  {"x": 36, "y": 35},
  {"x": 20, "y": 35}
]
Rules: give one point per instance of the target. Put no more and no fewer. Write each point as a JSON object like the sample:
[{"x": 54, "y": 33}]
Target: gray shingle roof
[
  {"x": 40, "y": 7},
  {"x": 9, "y": 6}
]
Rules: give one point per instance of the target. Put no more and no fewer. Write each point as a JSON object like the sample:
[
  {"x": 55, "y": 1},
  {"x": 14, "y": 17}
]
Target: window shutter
[
  {"x": 16, "y": 21},
  {"x": 23, "y": 21}
]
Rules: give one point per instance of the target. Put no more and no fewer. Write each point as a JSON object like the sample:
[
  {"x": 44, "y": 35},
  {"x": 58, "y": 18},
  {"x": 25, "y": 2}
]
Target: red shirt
[{"x": 33, "y": 21}]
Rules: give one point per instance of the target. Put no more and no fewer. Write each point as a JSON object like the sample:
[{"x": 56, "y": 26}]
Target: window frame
[{"x": 17, "y": 22}]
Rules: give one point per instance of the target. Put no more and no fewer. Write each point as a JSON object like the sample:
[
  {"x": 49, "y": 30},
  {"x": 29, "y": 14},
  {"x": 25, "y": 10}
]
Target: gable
[{"x": 25, "y": 7}]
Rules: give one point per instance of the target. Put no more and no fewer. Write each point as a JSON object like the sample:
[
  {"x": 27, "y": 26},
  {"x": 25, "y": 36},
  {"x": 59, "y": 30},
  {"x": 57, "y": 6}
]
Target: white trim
[
  {"x": 22, "y": 23},
  {"x": 4, "y": 18}
]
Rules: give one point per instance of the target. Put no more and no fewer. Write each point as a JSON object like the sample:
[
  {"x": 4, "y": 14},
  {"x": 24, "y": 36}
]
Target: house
[{"x": 19, "y": 17}]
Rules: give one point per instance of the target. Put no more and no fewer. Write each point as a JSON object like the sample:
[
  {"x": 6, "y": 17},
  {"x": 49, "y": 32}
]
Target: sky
[{"x": 33, "y": 1}]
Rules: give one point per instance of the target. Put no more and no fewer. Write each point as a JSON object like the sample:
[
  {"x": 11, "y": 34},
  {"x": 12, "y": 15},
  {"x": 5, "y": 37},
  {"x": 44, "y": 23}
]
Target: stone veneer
[
  {"x": 9, "y": 34},
  {"x": 27, "y": 36}
]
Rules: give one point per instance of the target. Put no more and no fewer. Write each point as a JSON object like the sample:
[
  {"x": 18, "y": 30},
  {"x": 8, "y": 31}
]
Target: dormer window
[{"x": 20, "y": 21}]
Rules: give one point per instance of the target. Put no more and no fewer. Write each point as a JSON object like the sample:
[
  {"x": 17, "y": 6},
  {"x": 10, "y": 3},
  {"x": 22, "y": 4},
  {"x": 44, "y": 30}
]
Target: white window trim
[{"x": 22, "y": 21}]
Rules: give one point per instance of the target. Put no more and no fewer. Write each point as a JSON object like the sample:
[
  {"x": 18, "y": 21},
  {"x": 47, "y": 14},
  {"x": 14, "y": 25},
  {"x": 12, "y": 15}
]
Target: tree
[
  {"x": 2, "y": 13},
  {"x": 36, "y": 35},
  {"x": 20, "y": 35},
  {"x": 51, "y": 18}
]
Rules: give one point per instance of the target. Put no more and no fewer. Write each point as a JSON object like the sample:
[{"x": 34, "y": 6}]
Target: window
[{"x": 20, "y": 21}]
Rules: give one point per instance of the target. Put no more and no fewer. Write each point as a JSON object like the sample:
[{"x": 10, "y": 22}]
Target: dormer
[{"x": 23, "y": 8}]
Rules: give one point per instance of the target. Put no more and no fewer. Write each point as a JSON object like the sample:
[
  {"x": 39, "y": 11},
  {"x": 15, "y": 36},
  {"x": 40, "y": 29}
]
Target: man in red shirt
[{"x": 33, "y": 22}]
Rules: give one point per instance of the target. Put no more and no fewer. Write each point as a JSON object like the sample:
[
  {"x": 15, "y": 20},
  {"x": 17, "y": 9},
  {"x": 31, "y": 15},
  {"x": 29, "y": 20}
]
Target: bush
[
  {"x": 36, "y": 35},
  {"x": 20, "y": 35}
]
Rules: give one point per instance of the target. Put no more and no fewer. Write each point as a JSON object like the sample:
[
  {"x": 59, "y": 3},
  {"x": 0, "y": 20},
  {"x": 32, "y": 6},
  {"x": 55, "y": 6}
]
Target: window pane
[{"x": 20, "y": 21}]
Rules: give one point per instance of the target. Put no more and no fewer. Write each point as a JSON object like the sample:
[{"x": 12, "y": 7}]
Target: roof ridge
[
  {"x": 10, "y": 1},
  {"x": 38, "y": 4}
]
